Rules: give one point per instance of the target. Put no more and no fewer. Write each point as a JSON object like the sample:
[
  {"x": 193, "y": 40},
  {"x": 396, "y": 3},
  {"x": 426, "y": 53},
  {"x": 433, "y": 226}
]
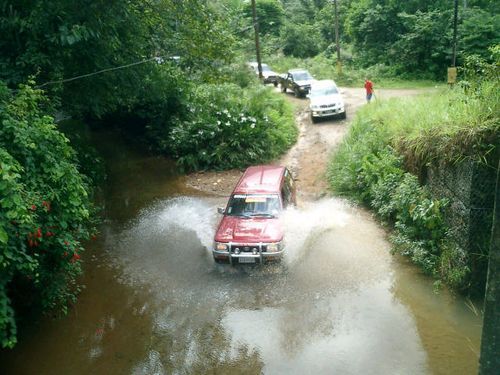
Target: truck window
[{"x": 286, "y": 193}]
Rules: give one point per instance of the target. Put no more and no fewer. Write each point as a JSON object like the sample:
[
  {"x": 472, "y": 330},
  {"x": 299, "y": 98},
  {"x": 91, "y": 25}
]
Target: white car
[
  {"x": 326, "y": 100},
  {"x": 268, "y": 75}
]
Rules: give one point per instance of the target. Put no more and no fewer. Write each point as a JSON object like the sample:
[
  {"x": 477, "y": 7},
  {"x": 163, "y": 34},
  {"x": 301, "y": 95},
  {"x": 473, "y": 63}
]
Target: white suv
[{"x": 326, "y": 100}]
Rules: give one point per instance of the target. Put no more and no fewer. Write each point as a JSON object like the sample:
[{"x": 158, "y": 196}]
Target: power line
[{"x": 157, "y": 59}]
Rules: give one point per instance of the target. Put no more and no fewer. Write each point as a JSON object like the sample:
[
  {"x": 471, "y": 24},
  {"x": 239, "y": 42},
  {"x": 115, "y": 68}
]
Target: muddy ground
[{"x": 309, "y": 157}]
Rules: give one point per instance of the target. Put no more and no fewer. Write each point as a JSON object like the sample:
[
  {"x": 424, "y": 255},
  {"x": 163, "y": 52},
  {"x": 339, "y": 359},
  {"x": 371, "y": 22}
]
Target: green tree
[
  {"x": 270, "y": 15},
  {"x": 300, "y": 40},
  {"x": 45, "y": 211},
  {"x": 478, "y": 31},
  {"x": 424, "y": 46},
  {"x": 57, "y": 39},
  {"x": 373, "y": 29}
]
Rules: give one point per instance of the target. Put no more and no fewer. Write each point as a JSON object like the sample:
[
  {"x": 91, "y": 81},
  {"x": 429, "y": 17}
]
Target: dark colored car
[
  {"x": 297, "y": 80},
  {"x": 268, "y": 75}
]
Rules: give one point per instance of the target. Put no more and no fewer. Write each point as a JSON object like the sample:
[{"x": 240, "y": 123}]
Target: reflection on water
[{"x": 156, "y": 303}]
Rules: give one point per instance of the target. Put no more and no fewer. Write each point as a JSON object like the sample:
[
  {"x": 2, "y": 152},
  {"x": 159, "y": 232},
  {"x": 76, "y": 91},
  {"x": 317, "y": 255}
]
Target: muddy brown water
[{"x": 156, "y": 303}]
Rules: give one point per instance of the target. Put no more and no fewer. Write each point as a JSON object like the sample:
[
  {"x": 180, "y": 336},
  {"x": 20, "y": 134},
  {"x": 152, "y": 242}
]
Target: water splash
[
  {"x": 303, "y": 225},
  {"x": 176, "y": 230}
]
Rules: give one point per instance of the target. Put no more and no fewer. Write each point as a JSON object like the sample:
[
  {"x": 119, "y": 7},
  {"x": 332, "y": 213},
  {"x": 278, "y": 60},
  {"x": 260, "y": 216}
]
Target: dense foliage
[
  {"x": 45, "y": 211},
  {"x": 229, "y": 127},
  {"x": 389, "y": 138},
  {"x": 411, "y": 39},
  {"x": 57, "y": 39}
]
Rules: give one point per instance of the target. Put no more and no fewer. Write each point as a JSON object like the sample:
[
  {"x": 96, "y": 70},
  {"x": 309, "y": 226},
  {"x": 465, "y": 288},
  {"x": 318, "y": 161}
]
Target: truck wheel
[
  {"x": 343, "y": 116},
  {"x": 297, "y": 93},
  {"x": 314, "y": 120},
  {"x": 283, "y": 88}
]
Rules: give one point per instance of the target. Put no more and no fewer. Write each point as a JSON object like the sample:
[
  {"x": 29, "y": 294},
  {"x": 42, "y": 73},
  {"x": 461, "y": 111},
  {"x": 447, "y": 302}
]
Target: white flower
[
  {"x": 228, "y": 123},
  {"x": 252, "y": 125},
  {"x": 218, "y": 122}
]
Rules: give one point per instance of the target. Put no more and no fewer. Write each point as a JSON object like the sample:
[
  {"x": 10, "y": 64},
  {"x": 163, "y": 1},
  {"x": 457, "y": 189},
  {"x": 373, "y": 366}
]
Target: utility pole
[
  {"x": 455, "y": 21},
  {"x": 339, "y": 64},
  {"x": 257, "y": 43},
  {"x": 489, "y": 362}
]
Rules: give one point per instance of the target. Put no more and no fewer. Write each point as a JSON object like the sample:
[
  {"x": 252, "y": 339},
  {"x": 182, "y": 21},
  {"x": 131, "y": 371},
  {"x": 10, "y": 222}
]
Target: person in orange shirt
[{"x": 369, "y": 89}]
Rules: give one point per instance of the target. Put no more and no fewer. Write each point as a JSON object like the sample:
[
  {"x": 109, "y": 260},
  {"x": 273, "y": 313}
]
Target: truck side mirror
[{"x": 220, "y": 210}]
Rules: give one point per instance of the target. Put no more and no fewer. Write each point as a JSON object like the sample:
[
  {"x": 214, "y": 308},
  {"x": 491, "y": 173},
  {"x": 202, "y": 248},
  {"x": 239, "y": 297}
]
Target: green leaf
[{"x": 4, "y": 237}]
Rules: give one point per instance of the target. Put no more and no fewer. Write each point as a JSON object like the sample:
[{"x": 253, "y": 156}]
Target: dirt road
[{"x": 308, "y": 158}]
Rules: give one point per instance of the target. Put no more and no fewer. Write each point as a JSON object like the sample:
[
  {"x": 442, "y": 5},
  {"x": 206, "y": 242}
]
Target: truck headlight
[
  {"x": 275, "y": 247},
  {"x": 220, "y": 246}
]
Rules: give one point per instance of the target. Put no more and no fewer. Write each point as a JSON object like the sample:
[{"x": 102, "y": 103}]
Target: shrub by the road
[
  {"x": 45, "y": 212},
  {"x": 230, "y": 127},
  {"x": 390, "y": 139}
]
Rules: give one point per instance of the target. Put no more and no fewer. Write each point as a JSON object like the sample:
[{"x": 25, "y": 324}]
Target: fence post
[{"x": 489, "y": 362}]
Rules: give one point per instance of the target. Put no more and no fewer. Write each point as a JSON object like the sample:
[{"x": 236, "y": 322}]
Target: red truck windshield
[{"x": 254, "y": 205}]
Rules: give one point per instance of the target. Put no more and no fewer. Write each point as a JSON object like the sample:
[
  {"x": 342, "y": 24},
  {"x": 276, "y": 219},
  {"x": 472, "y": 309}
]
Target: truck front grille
[{"x": 247, "y": 248}]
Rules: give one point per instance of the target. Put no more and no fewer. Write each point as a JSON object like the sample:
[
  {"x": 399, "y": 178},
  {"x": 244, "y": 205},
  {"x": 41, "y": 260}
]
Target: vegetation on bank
[
  {"x": 45, "y": 212},
  {"x": 389, "y": 144}
]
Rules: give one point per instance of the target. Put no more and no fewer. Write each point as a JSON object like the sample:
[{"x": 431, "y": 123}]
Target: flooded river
[{"x": 156, "y": 303}]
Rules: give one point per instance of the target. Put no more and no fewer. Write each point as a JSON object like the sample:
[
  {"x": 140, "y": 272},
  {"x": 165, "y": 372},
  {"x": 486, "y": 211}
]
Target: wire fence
[{"x": 470, "y": 188}]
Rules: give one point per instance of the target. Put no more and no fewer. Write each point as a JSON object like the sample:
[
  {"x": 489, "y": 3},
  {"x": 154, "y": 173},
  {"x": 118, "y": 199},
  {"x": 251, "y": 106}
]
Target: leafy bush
[
  {"x": 45, "y": 212},
  {"x": 228, "y": 127}
]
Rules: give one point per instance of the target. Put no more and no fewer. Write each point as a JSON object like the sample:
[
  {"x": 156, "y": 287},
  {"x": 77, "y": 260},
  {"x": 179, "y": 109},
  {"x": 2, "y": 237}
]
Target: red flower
[
  {"x": 30, "y": 243},
  {"x": 66, "y": 243},
  {"x": 38, "y": 233},
  {"x": 75, "y": 257},
  {"x": 33, "y": 207},
  {"x": 65, "y": 254},
  {"x": 93, "y": 237}
]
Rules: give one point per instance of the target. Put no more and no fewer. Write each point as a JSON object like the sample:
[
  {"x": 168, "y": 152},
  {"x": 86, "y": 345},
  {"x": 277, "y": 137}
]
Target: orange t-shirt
[{"x": 369, "y": 87}]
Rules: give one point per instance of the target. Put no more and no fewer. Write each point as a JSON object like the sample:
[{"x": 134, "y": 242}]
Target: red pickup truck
[{"x": 250, "y": 230}]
